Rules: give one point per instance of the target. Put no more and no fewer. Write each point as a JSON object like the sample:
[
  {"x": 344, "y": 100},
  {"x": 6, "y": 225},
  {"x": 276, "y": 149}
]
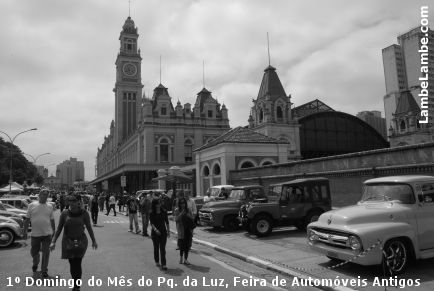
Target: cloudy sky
[{"x": 57, "y": 59}]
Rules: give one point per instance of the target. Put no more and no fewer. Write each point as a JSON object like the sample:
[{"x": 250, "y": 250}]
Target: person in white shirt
[
  {"x": 208, "y": 197},
  {"x": 40, "y": 214},
  {"x": 112, "y": 205}
]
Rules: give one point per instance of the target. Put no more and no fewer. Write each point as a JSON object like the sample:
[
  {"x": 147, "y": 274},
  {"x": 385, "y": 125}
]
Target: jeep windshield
[{"x": 388, "y": 192}]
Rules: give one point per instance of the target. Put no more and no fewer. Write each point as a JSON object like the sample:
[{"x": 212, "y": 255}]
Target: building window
[
  {"x": 163, "y": 110},
  {"x": 246, "y": 165},
  {"x": 164, "y": 150},
  {"x": 402, "y": 125},
  {"x": 210, "y": 113},
  {"x": 279, "y": 112},
  {"x": 205, "y": 171},
  {"x": 188, "y": 151},
  {"x": 216, "y": 170},
  {"x": 261, "y": 115}
]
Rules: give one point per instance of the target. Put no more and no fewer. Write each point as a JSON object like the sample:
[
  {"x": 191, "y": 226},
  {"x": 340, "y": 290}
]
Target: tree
[{"x": 22, "y": 169}]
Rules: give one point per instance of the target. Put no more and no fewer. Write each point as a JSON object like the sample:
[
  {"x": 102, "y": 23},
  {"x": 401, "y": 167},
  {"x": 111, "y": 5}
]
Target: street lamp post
[
  {"x": 12, "y": 143},
  {"x": 37, "y": 157}
]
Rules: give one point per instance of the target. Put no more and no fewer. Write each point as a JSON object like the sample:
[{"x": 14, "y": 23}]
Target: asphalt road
[{"x": 124, "y": 261}]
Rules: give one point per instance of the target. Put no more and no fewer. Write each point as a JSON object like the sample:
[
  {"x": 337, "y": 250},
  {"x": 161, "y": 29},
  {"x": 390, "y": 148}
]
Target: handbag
[{"x": 75, "y": 244}]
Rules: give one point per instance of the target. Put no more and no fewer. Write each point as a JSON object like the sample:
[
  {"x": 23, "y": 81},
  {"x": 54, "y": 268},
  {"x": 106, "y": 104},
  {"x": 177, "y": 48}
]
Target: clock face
[{"x": 129, "y": 69}]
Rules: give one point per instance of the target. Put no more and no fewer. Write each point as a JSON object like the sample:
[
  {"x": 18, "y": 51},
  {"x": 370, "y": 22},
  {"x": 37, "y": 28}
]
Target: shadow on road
[{"x": 15, "y": 245}]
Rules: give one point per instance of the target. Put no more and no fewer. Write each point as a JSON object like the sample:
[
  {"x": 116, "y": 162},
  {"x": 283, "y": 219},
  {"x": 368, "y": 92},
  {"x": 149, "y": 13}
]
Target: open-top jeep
[
  {"x": 224, "y": 213},
  {"x": 297, "y": 202},
  {"x": 395, "y": 214}
]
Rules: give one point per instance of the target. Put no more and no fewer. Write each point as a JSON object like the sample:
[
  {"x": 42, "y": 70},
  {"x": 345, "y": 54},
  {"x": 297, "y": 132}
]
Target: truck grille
[
  {"x": 332, "y": 237},
  {"x": 204, "y": 216}
]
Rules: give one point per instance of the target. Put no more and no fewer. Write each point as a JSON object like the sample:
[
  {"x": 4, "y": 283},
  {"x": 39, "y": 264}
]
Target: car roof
[
  {"x": 302, "y": 180},
  {"x": 401, "y": 179},
  {"x": 247, "y": 187},
  {"x": 222, "y": 186}
]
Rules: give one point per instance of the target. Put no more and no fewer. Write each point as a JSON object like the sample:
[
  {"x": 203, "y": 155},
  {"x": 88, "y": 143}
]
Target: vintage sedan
[
  {"x": 391, "y": 224},
  {"x": 10, "y": 230}
]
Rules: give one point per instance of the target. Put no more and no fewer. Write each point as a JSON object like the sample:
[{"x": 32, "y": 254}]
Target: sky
[{"x": 57, "y": 60}]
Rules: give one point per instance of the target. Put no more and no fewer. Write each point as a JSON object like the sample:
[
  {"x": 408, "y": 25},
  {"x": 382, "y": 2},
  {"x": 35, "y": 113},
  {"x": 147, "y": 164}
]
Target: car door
[
  {"x": 425, "y": 215},
  {"x": 297, "y": 197}
]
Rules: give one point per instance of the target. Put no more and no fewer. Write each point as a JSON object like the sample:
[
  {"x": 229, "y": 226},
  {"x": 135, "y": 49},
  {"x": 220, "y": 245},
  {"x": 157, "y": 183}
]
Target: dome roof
[{"x": 129, "y": 26}]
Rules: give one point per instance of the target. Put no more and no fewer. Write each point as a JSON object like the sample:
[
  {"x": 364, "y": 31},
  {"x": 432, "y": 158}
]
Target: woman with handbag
[
  {"x": 184, "y": 226},
  {"x": 74, "y": 241},
  {"x": 160, "y": 232}
]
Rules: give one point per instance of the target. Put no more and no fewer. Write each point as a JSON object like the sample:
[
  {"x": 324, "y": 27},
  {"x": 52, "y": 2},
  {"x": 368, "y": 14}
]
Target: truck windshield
[
  {"x": 388, "y": 192},
  {"x": 237, "y": 195}
]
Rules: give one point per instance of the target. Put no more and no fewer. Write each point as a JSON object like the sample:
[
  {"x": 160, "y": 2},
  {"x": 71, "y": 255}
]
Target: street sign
[{"x": 123, "y": 181}]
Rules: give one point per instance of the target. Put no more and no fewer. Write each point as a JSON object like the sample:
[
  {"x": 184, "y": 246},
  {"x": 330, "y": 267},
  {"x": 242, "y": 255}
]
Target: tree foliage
[{"x": 22, "y": 169}]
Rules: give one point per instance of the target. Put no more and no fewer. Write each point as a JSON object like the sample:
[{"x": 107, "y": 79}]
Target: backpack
[{"x": 133, "y": 205}]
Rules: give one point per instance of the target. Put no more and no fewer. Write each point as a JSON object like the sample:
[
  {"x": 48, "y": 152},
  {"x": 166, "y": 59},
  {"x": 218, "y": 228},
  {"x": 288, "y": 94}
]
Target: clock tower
[{"x": 128, "y": 87}]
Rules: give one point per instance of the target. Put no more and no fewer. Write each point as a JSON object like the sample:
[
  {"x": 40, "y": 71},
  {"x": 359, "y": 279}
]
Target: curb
[{"x": 264, "y": 264}]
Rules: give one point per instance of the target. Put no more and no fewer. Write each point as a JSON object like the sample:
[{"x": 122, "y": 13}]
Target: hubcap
[
  {"x": 5, "y": 238},
  {"x": 396, "y": 256},
  {"x": 263, "y": 226}
]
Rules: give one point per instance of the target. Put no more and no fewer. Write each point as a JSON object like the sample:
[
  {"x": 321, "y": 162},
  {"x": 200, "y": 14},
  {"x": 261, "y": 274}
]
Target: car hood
[
  {"x": 224, "y": 204},
  {"x": 363, "y": 213}
]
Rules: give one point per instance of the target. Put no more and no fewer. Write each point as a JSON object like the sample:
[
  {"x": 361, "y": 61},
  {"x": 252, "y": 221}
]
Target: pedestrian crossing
[{"x": 114, "y": 221}]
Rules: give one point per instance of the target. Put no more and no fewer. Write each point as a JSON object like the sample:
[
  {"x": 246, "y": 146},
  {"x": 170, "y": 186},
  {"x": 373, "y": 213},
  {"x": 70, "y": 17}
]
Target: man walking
[
  {"x": 40, "y": 214},
  {"x": 132, "y": 207},
  {"x": 112, "y": 205},
  {"x": 101, "y": 200},
  {"x": 145, "y": 209}
]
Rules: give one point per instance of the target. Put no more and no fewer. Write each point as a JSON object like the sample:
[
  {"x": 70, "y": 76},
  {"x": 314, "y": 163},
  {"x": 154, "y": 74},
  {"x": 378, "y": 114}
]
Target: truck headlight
[
  {"x": 312, "y": 236},
  {"x": 354, "y": 243}
]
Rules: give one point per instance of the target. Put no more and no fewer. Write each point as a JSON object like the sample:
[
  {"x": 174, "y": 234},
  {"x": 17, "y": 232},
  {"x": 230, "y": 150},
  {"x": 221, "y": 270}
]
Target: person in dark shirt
[
  {"x": 94, "y": 209},
  {"x": 160, "y": 232}
]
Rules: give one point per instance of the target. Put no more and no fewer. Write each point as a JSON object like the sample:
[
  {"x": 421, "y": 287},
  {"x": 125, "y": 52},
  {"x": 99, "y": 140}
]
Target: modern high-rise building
[
  {"x": 402, "y": 64},
  {"x": 70, "y": 171},
  {"x": 374, "y": 119}
]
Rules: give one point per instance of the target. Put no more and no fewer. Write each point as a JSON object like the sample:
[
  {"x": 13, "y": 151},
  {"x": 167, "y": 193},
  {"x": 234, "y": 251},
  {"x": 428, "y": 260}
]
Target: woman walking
[
  {"x": 74, "y": 241},
  {"x": 184, "y": 226},
  {"x": 160, "y": 232}
]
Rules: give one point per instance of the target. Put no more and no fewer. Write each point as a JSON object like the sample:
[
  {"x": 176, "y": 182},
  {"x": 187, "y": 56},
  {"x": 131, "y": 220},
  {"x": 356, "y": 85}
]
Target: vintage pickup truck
[
  {"x": 297, "y": 202},
  {"x": 395, "y": 215},
  {"x": 224, "y": 213}
]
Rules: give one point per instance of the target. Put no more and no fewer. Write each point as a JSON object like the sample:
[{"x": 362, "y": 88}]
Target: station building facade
[{"x": 148, "y": 133}]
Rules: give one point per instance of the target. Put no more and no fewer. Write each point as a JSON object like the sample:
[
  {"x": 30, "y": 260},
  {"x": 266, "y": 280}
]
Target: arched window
[
  {"x": 402, "y": 125},
  {"x": 205, "y": 171},
  {"x": 216, "y": 170},
  {"x": 261, "y": 115},
  {"x": 164, "y": 150},
  {"x": 279, "y": 112},
  {"x": 188, "y": 150},
  {"x": 246, "y": 165}
]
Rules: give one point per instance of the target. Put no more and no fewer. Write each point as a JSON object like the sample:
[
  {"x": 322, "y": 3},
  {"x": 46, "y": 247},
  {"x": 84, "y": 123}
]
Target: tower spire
[{"x": 268, "y": 44}]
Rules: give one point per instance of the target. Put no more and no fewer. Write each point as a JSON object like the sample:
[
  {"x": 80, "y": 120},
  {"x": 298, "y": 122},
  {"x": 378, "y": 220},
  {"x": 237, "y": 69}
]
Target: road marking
[{"x": 226, "y": 266}]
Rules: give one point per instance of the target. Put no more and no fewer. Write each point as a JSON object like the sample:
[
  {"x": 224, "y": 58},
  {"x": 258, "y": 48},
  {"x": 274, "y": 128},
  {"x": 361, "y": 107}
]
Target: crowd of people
[{"x": 74, "y": 219}]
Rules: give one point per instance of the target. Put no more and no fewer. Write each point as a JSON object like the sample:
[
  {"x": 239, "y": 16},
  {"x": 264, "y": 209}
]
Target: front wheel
[
  {"x": 395, "y": 256},
  {"x": 310, "y": 217},
  {"x": 262, "y": 225},
  {"x": 6, "y": 237}
]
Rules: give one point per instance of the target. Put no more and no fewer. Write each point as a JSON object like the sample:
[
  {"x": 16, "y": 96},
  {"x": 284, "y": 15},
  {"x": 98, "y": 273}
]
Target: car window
[
  {"x": 388, "y": 192},
  {"x": 428, "y": 192},
  {"x": 238, "y": 194},
  {"x": 295, "y": 194},
  {"x": 256, "y": 193}
]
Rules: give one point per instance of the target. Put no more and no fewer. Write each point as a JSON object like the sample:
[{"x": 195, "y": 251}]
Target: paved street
[{"x": 121, "y": 253}]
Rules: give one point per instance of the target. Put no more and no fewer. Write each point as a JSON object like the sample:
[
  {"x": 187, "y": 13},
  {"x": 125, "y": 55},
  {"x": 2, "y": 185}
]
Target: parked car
[
  {"x": 157, "y": 192},
  {"x": 397, "y": 211},
  {"x": 18, "y": 218},
  {"x": 10, "y": 230},
  {"x": 225, "y": 212},
  {"x": 297, "y": 202},
  {"x": 17, "y": 202},
  {"x": 216, "y": 193}
]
